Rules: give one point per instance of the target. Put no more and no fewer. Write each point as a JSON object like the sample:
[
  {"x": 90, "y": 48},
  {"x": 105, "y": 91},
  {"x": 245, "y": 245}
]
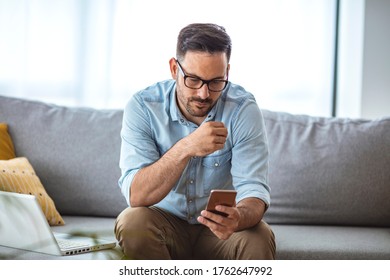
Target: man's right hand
[{"x": 208, "y": 138}]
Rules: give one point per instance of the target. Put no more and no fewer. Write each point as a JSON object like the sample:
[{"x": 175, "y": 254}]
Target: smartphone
[{"x": 221, "y": 197}]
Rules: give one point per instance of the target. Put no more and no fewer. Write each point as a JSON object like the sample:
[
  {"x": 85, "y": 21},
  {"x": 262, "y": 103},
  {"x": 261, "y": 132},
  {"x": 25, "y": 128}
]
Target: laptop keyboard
[{"x": 69, "y": 244}]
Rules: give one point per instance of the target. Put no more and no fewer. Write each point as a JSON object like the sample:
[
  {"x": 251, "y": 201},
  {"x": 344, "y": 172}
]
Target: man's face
[{"x": 195, "y": 104}]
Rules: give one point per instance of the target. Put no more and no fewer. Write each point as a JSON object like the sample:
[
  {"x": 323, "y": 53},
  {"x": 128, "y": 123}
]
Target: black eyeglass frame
[{"x": 207, "y": 82}]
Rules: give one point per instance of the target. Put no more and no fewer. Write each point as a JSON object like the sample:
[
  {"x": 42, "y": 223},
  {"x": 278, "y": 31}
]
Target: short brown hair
[{"x": 203, "y": 37}]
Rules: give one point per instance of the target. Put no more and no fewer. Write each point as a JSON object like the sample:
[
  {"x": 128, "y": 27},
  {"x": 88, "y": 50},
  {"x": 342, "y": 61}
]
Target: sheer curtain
[{"x": 97, "y": 53}]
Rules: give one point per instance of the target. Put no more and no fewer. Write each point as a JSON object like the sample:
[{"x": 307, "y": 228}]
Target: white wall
[
  {"x": 350, "y": 60},
  {"x": 364, "y": 59},
  {"x": 376, "y": 60}
]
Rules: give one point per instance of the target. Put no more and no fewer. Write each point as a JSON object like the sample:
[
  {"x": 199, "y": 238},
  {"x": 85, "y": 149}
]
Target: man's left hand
[{"x": 222, "y": 227}]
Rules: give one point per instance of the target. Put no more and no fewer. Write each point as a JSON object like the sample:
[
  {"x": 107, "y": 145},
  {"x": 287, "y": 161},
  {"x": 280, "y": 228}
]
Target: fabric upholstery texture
[
  {"x": 329, "y": 178},
  {"x": 298, "y": 242},
  {"x": 75, "y": 151},
  {"x": 17, "y": 175},
  {"x": 327, "y": 171},
  {"x": 6, "y": 146}
]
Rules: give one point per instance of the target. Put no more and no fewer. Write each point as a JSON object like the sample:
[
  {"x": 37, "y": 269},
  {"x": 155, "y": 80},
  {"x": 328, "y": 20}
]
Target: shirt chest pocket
[{"x": 216, "y": 172}]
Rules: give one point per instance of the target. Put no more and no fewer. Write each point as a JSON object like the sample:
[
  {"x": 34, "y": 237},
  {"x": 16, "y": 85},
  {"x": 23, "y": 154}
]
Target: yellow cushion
[
  {"x": 6, "y": 146},
  {"x": 17, "y": 175}
]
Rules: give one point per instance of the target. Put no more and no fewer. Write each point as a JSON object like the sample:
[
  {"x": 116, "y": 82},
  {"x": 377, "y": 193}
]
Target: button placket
[{"x": 190, "y": 194}]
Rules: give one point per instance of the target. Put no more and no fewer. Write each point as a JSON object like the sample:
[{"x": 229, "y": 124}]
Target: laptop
[{"x": 23, "y": 225}]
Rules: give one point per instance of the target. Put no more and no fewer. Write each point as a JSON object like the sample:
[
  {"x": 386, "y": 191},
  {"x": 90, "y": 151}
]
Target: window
[{"x": 98, "y": 53}]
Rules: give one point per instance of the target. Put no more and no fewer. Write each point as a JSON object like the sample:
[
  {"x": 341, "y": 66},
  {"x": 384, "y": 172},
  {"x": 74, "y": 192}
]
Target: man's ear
[{"x": 173, "y": 67}]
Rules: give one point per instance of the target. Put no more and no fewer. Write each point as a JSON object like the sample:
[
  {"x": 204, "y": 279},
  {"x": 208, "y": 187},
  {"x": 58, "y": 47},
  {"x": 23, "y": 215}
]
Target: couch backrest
[
  {"x": 328, "y": 171},
  {"x": 74, "y": 151},
  {"x": 321, "y": 171}
]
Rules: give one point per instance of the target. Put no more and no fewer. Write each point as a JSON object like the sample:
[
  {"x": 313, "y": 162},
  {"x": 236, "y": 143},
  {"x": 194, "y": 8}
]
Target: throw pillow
[
  {"x": 17, "y": 175},
  {"x": 6, "y": 145}
]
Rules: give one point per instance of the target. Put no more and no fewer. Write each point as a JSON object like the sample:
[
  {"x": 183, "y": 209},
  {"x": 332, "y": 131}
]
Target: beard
[
  {"x": 198, "y": 107},
  {"x": 193, "y": 106}
]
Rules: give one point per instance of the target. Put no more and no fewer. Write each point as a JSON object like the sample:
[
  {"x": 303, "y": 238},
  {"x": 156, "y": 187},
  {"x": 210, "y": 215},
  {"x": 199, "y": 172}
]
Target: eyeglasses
[{"x": 192, "y": 82}]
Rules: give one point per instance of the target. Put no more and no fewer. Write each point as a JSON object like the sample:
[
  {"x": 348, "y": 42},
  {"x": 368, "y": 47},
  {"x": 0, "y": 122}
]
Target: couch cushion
[
  {"x": 18, "y": 176},
  {"x": 328, "y": 171},
  {"x": 331, "y": 242},
  {"x": 6, "y": 145},
  {"x": 74, "y": 151}
]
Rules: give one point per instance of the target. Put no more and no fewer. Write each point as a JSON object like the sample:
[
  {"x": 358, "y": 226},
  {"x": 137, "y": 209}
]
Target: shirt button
[
  {"x": 216, "y": 164},
  {"x": 190, "y": 201},
  {"x": 192, "y": 181}
]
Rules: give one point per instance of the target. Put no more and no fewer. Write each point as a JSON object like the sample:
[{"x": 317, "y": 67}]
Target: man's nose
[{"x": 203, "y": 92}]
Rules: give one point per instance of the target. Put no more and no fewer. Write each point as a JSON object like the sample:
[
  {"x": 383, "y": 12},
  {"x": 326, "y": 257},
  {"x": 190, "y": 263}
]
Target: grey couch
[{"x": 330, "y": 178}]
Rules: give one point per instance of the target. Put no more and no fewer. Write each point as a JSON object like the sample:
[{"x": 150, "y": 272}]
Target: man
[{"x": 182, "y": 138}]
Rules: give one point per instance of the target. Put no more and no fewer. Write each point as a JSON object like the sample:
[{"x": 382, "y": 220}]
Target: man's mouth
[{"x": 201, "y": 102}]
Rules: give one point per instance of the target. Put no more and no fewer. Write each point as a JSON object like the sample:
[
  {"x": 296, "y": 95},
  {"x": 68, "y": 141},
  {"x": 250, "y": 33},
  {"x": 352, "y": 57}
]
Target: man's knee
[
  {"x": 269, "y": 241},
  {"x": 133, "y": 219},
  {"x": 136, "y": 230},
  {"x": 257, "y": 243}
]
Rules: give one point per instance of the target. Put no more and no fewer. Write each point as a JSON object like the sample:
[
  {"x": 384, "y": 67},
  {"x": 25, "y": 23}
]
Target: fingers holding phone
[{"x": 221, "y": 215}]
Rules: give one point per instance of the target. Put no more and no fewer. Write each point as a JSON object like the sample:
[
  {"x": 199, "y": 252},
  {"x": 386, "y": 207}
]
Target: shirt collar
[{"x": 173, "y": 108}]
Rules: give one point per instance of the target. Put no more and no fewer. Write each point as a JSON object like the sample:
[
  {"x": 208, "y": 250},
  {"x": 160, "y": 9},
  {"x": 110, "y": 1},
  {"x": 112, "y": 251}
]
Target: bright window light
[{"x": 98, "y": 53}]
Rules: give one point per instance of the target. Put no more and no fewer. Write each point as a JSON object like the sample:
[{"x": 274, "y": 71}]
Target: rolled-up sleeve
[
  {"x": 138, "y": 149},
  {"x": 250, "y": 153}
]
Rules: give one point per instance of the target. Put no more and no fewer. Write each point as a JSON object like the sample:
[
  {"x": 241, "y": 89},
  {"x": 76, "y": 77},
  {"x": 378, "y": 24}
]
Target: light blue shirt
[{"x": 153, "y": 123}]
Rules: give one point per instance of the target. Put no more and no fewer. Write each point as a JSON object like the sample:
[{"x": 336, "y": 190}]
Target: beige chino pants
[{"x": 151, "y": 233}]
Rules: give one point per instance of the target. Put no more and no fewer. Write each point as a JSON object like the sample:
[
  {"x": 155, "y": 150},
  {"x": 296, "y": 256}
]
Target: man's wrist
[
  {"x": 251, "y": 212},
  {"x": 180, "y": 150}
]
